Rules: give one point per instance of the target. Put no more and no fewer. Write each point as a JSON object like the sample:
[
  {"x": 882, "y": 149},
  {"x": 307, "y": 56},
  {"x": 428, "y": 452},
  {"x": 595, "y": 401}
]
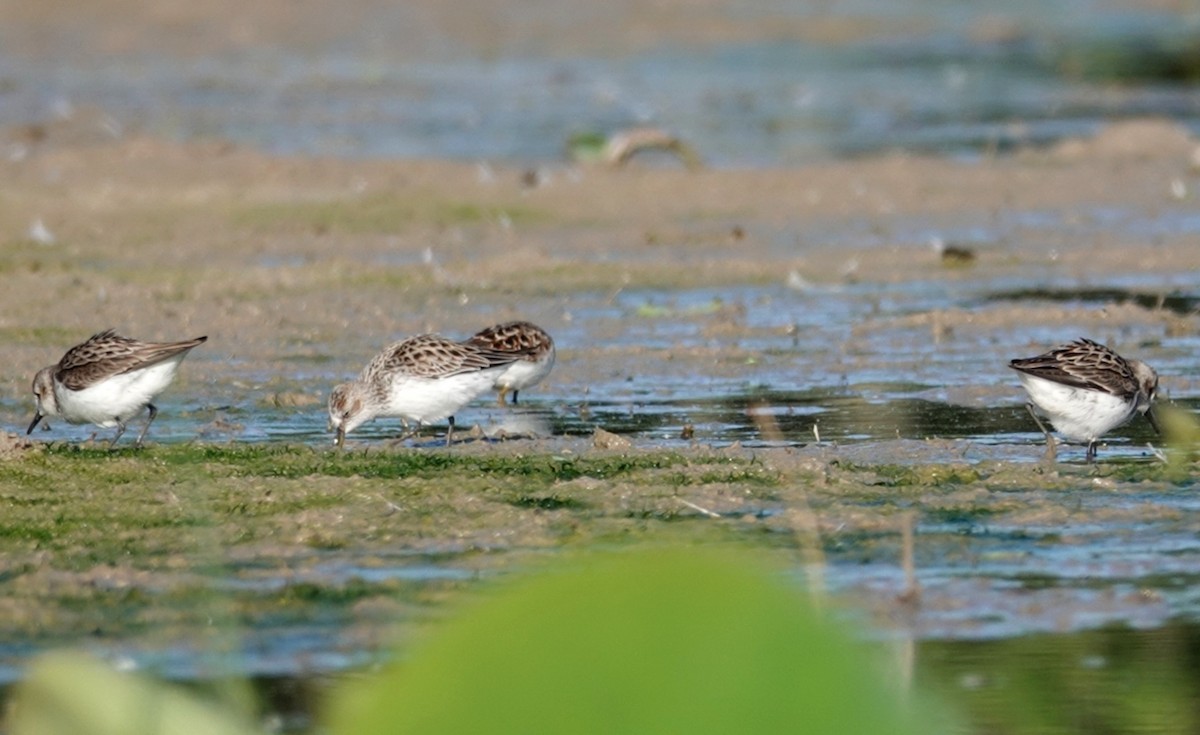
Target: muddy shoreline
[
  {"x": 283, "y": 261},
  {"x": 298, "y": 269}
]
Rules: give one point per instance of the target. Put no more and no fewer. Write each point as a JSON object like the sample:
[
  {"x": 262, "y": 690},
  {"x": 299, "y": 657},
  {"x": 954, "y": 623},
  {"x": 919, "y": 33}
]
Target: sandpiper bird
[
  {"x": 1087, "y": 390},
  {"x": 533, "y": 348},
  {"x": 423, "y": 378},
  {"x": 108, "y": 380}
]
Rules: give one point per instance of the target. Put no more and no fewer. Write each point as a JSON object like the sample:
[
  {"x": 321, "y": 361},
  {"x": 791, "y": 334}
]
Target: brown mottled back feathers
[
  {"x": 107, "y": 353},
  {"x": 524, "y": 339},
  {"x": 432, "y": 356},
  {"x": 1083, "y": 364}
]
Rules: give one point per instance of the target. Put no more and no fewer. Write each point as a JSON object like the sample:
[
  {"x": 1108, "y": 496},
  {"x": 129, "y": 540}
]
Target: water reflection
[
  {"x": 760, "y": 416},
  {"x": 806, "y": 416},
  {"x": 793, "y": 417},
  {"x": 1173, "y": 301}
]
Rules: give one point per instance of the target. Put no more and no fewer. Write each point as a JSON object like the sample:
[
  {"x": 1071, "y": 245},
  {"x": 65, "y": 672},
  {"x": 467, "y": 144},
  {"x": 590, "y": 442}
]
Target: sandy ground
[
  {"x": 425, "y": 28},
  {"x": 282, "y": 260},
  {"x": 291, "y": 263},
  {"x": 422, "y": 28}
]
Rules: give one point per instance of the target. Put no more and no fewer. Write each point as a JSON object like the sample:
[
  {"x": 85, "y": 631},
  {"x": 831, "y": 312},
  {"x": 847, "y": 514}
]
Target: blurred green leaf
[
  {"x": 665, "y": 641},
  {"x": 586, "y": 147},
  {"x": 1181, "y": 432},
  {"x": 74, "y": 694}
]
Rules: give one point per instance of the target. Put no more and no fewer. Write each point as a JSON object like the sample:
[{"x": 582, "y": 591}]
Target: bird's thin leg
[
  {"x": 1090, "y": 455},
  {"x": 149, "y": 420},
  {"x": 1036, "y": 420},
  {"x": 450, "y": 431},
  {"x": 515, "y": 392},
  {"x": 408, "y": 433},
  {"x": 1051, "y": 444},
  {"x": 1051, "y": 449},
  {"x": 120, "y": 430}
]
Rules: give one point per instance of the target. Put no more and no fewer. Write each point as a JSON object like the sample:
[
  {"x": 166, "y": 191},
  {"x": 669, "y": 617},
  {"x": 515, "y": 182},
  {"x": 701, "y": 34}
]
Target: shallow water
[
  {"x": 783, "y": 372},
  {"x": 921, "y": 76},
  {"x": 861, "y": 362}
]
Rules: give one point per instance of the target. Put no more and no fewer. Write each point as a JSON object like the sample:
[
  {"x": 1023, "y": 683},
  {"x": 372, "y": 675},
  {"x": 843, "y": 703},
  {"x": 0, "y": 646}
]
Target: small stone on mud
[
  {"x": 221, "y": 427},
  {"x": 293, "y": 399},
  {"x": 14, "y": 446},
  {"x": 957, "y": 256},
  {"x": 1145, "y": 139},
  {"x": 602, "y": 439}
]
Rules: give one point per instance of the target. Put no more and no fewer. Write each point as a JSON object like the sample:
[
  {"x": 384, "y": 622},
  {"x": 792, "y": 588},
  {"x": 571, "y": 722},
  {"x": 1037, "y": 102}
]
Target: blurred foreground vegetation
[{"x": 692, "y": 619}]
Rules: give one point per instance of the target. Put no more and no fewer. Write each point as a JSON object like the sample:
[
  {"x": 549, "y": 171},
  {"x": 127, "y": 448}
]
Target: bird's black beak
[
  {"x": 1153, "y": 421},
  {"x": 339, "y": 440},
  {"x": 37, "y": 417}
]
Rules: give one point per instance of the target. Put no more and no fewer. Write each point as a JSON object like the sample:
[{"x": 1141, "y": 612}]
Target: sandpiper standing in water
[
  {"x": 108, "y": 380},
  {"x": 532, "y": 346},
  {"x": 1086, "y": 390},
  {"x": 423, "y": 378}
]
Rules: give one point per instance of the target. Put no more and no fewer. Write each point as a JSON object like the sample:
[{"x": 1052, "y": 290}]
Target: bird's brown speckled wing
[
  {"x": 107, "y": 354},
  {"x": 1082, "y": 364},
  {"x": 431, "y": 356},
  {"x": 523, "y": 338}
]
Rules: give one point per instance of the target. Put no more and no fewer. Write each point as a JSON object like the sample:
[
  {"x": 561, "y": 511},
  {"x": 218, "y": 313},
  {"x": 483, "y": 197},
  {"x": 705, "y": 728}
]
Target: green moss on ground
[{"x": 131, "y": 541}]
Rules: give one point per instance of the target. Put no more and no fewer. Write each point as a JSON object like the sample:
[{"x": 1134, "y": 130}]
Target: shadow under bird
[
  {"x": 1087, "y": 390},
  {"x": 533, "y": 348},
  {"x": 423, "y": 379},
  {"x": 108, "y": 380}
]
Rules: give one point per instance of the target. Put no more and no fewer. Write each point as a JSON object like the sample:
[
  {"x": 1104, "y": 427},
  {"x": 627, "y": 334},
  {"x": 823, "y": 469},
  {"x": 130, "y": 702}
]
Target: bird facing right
[
  {"x": 532, "y": 346},
  {"x": 1087, "y": 390}
]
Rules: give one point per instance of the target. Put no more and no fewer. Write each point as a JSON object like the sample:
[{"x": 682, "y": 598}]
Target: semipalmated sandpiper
[
  {"x": 533, "y": 348},
  {"x": 108, "y": 380},
  {"x": 423, "y": 378},
  {"x": 1087, "y": 390}
]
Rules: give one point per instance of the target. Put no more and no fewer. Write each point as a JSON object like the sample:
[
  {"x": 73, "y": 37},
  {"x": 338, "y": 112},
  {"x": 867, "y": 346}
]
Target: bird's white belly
[
  {"x": 116, "y": 399},
  {"x": 1078, "y": 414},
  {"x": 425, "y": 400},
  {"x": 522, "y": 374}
]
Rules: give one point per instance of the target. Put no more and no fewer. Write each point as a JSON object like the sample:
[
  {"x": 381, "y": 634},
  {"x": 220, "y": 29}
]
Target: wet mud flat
[
  {"x": 661, "y": 286},
  {"x": 316, "y": 555},
  {"x": 752, "y": 306}
]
